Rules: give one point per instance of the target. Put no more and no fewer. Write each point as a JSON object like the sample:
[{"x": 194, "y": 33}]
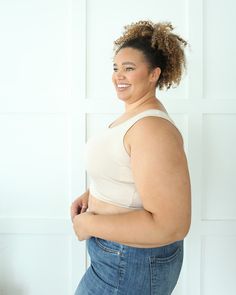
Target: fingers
[
  {"x": 73, "y": 214},
  {"x": 83, "y": 208},
  {"x": 78, "y": 207},
  {"x": 80, "y": 204},
  {"x": 74, "y": 210}
]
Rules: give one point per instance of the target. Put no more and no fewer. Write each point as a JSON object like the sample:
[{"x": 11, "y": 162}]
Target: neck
[{"x": 141, "y": 103}]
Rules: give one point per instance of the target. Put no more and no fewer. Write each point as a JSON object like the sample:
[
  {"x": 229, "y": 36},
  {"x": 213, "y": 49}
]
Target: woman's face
[{"x": 132, "y": 77}]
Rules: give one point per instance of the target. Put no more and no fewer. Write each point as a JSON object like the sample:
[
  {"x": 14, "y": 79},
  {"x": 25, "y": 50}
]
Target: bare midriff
[{"x": 100, "y": 207}]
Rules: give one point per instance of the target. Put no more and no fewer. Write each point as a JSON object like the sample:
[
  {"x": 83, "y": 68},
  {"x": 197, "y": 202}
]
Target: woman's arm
[
  {"x": 136, "y": 227},
  {"x": 161, "y": 176}
]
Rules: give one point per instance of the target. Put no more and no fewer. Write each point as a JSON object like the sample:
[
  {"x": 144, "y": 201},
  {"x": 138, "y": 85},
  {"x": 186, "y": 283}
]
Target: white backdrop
[{"x": 56, "y": 91}]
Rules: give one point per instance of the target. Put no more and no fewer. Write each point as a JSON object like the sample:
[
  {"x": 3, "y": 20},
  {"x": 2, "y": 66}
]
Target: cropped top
[{"x": 108, "y": 164}]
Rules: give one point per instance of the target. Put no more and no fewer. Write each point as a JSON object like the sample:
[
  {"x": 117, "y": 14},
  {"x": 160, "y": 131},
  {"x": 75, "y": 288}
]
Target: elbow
[
  {"x": 181, "y": 234},
  {"x": 181, "y": 231},
  {"x": 172, "y": 233}
]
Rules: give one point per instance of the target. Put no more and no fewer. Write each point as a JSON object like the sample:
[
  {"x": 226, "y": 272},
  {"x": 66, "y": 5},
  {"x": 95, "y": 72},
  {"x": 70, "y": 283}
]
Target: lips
[{"x": 122, "y": 86}]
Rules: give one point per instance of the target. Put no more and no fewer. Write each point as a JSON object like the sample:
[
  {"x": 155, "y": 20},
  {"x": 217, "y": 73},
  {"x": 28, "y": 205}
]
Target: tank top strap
[{"x": 151, "y": 112}]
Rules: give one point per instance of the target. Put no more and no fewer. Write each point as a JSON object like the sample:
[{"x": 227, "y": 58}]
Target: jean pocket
[
  {"x": 168, "y": 258},
  {"x": 165, "y": 269},
  {"x": 108, "y": 246}
]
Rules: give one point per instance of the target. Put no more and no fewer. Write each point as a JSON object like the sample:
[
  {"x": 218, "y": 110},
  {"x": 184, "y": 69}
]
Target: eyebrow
[{"x": 126, "y": 63}]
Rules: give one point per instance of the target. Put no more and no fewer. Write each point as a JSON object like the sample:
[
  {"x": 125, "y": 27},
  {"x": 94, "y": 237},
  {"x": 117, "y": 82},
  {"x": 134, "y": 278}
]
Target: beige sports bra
[{"x": 108, "y": 164}]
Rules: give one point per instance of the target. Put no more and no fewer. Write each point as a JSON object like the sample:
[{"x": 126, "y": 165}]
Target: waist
[
  {"x": 117, "y": 195},
  {"x": 98, "y": 206},
  {"x": 140, "y": 251}
]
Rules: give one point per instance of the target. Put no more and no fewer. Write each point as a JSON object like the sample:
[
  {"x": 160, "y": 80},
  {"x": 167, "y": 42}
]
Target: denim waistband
[{"x": 136, "y": 252}]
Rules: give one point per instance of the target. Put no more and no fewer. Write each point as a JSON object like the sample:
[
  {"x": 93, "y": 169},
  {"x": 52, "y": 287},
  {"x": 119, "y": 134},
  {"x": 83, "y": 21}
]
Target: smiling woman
[
  {"x": 132, "y": 77},
  {"x": 139, "y": 199}
]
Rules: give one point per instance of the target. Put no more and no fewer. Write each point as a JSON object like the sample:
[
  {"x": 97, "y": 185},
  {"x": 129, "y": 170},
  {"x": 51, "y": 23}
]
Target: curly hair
[{"x": 160, "y": 46}]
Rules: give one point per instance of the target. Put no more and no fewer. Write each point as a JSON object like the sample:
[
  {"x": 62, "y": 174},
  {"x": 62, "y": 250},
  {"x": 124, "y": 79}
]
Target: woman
[{"x": 138, "y": 202}]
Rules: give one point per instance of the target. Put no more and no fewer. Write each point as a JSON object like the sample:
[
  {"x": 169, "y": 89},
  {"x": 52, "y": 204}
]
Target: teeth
[{"x": 122, "y": 85}]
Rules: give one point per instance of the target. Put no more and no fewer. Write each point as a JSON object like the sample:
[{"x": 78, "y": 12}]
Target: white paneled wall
[
  {"x": 34, "y": 264},
  {"x": 33, "y": 147},
  {"x": 42, "y": 134},
  {"x": 219, "y": 45},
  {"x": 219, "y": 167},
  {"x": 105, "y": 23},
  {"x": 56, "y": 92},
  {"x": 218, "y": 265}
]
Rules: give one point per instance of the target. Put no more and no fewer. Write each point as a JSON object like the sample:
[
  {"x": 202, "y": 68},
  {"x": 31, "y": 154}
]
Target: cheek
[
  {"x": 141, "y": 82},
  {"x": 113, "y": 78},
  {"x": 141, "y": 77}
]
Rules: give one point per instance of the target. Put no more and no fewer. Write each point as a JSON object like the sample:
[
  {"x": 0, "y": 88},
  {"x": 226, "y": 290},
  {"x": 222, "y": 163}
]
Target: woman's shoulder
[{"x": 154, "y": 128}]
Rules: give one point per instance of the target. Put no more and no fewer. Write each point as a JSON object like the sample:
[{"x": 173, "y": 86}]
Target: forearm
[{"x": 135, "y": 227}]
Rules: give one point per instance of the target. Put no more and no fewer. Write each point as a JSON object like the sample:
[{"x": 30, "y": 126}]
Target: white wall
[{"x": 56, "y": 91}]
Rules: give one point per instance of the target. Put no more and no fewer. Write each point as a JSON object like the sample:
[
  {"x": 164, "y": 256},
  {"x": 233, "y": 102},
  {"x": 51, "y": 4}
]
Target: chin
[{"x": 122, "y": 97}]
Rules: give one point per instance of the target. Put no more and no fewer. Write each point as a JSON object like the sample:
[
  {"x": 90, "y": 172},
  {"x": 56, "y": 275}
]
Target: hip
[{"x": 120, "y": 267}]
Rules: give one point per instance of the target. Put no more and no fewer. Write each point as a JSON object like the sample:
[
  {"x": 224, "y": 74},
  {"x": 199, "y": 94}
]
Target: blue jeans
[{"x": 124, "y": 270}]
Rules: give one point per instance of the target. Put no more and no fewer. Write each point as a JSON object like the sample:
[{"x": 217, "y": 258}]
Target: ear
[{"x": 155, "y": 74}]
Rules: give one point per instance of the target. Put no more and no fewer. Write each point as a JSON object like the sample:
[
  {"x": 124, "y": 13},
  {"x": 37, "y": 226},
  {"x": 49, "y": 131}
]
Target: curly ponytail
[{"x": 160, "y": 46}]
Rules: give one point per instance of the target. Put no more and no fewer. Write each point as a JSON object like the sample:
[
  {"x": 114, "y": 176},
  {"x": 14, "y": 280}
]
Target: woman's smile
[{"x": 122, "y": 86}]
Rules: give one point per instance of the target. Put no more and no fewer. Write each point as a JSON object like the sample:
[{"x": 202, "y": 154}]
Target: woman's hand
[
  {"x": 81, "y": 224},
  {"x": 80, "y": 205}
]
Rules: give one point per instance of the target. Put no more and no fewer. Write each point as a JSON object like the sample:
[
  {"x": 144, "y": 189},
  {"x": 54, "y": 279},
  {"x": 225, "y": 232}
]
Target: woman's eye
[
  {"x": 129, "y": 69},
  {"x": 126, "y": 69}
]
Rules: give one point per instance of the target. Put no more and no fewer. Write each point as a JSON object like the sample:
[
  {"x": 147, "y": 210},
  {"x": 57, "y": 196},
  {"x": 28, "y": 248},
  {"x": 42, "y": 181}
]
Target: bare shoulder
[{"x": 154, "y": 130}]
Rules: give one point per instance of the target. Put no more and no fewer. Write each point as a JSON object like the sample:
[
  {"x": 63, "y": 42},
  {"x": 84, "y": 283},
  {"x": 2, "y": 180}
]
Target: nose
[{"x": 119, "y": 74}]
